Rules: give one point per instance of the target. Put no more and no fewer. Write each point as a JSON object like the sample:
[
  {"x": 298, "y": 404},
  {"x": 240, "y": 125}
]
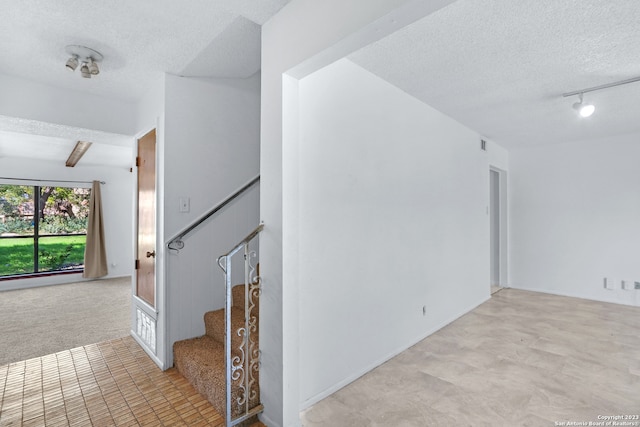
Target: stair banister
[
  {"x": 176, "y": 243},
  {"x": 242, "y": 368}
]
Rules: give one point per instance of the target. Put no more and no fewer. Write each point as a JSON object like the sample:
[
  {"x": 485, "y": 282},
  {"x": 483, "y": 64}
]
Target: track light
[
  {"x": 88, "y": 58},
  {"x": 585, "y": 110}
]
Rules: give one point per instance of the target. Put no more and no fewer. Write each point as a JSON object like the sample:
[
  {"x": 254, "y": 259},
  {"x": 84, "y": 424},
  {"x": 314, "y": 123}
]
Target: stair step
[
  {"x": 201, "y": 362},
  {"x": 214, "y": 327},
  {"x": 237, "y": 296}
]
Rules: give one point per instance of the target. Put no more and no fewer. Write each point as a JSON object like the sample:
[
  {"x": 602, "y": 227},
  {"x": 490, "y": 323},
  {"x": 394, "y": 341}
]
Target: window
[{"x": 42, "y": 229}]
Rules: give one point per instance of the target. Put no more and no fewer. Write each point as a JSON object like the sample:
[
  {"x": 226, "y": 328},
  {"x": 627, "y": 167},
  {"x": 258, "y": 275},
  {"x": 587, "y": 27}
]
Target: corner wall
[
  {"x": 303, "y": 37},
  {"x": 575, "y": 218}
]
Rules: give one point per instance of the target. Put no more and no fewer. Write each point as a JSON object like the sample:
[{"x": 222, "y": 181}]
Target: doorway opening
[{"x": 497, "y": 229}]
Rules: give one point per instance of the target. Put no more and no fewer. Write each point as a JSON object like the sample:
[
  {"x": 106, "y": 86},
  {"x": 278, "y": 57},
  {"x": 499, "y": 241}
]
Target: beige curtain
[{"x": 95, "y": 255}]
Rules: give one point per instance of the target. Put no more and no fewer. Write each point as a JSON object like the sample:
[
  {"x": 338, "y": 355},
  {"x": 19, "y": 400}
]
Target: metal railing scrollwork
[{"x": 242, "y": 363}]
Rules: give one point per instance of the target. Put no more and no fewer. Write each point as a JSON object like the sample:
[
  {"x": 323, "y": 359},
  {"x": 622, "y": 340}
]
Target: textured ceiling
[
  {"x": 234, "y": 53},
  {"x": 31, "y": 139},
  {"x": 500, "y": 67},
  {"x": 139, "y": 39},
  {"x": 57, "y": 150},
  {"x": 497, "y": 66}
]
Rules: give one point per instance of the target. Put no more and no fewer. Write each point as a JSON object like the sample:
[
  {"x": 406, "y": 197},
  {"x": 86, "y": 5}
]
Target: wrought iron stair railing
[{"x": 243, "y": 368}]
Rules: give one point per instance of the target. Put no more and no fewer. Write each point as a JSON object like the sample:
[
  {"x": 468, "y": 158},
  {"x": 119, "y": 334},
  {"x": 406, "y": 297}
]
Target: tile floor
[
  {"x": 520, "y": 359},
  {"x": 112, "y": 383}
]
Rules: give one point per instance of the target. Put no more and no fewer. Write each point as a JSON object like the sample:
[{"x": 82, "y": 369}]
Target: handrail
[
  {"x": 240, "y": 244},
  {"x": 242, "y": 365},
  {"x": 176, "y": 243}
]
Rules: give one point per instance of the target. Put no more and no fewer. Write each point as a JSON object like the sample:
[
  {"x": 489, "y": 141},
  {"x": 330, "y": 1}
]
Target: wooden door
[{"x": 146, "y": 252}]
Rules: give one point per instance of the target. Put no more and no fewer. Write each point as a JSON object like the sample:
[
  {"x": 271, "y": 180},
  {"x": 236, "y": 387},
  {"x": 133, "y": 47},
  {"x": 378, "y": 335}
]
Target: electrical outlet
[
  {"x": 637, "y": 285},
  {"x": 609, "y": 283}
]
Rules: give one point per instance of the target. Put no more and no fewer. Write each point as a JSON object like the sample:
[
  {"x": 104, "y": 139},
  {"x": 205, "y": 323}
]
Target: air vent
[{"x": 483, "y": 145}]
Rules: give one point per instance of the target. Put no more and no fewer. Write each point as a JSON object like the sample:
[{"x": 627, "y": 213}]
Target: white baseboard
[
  {"x": 37, "y": 282},
  {"x": 573, "y": 295}
]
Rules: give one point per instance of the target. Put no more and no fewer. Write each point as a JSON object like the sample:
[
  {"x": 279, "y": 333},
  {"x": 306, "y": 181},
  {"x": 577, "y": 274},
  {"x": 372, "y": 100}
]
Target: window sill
[{"x": 42, "y": 274}]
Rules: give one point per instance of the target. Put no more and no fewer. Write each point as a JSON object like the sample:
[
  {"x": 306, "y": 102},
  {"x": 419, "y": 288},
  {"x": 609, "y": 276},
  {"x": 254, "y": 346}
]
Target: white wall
[
  {"x": 150, "y": 108},
  {"x": 393, "y": 198},
  {"x": 575, "y": 218},
  {"x": 303, "y": 37},
  {"x": 35, "y": 101},
  {"x": 211, "y": 148},
  {"x": 498, "y": 156},
  {"x": 117, "y": 208}
]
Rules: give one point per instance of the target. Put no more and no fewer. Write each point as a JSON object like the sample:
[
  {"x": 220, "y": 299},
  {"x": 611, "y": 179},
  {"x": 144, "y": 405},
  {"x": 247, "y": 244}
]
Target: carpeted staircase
[{"x": 201, "y": 360}]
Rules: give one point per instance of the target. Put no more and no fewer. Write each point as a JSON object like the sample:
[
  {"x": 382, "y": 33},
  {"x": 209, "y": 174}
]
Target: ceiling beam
[{"x": 77, "y": 153}]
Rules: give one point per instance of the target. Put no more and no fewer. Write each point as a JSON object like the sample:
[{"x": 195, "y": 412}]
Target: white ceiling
[
  {"x": 497, "y": 66},
  {"x": 57, "y": 150},
  {"x": 139, "y": 39},
  {"x": 500, "y": 67}
]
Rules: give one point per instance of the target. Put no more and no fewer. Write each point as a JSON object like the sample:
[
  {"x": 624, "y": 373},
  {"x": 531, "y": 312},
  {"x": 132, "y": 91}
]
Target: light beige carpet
[{"x": 39, "y": 321}]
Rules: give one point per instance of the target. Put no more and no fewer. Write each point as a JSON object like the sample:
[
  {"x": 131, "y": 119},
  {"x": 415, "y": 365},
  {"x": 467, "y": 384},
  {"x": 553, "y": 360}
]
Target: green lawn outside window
[{"x": 16, "y": 255}]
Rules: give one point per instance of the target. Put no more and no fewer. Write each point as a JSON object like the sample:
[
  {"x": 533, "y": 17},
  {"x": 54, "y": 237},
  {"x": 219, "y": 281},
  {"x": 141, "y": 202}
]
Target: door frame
[
  {"x": 503, "y": 227},
  {"x": 154, "y": 314}
]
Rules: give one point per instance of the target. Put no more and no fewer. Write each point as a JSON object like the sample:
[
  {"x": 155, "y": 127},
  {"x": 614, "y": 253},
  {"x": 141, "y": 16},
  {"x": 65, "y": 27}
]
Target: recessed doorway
[{"x": 497, "y": 229}]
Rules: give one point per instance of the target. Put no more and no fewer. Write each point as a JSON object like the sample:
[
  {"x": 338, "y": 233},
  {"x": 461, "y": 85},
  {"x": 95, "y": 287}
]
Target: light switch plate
[{"x": 185, "y": 204}]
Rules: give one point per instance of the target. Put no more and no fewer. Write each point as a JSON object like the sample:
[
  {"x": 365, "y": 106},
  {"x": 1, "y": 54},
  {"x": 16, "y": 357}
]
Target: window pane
[
  {"x": 63, "y": 210},
  {"x": 16, "y": 210},
  {"x": 16, "y": 255},
  {"x": 16, "y": 221},
  {"x": 61, "y": 253},
  {"x": 63, "y": 213}
]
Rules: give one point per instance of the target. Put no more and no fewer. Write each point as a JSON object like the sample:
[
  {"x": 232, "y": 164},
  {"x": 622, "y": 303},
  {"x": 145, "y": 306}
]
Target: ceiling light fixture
[
  {"x": 585, "y": 110},
  {"x": 72, "y": 63},
  {"x": 93, "y": 68},
  {"x": 87, "y": 57}
]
